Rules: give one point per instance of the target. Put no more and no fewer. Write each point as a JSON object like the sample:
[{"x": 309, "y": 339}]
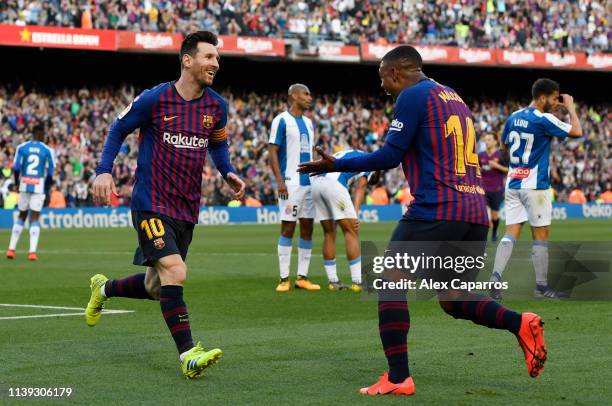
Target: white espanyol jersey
[
  {"x": 528, "y": 133},
  {"x": 36, "y": 161},
  {"x": 295, "y": 139},
  {"x": 344, "y": 177}
]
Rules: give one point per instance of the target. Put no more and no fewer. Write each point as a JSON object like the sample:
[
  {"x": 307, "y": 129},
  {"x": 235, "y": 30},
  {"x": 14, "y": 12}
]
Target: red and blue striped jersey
[
  {"x": 173, "y": 140},
  {"x": 435, "y": 129}
]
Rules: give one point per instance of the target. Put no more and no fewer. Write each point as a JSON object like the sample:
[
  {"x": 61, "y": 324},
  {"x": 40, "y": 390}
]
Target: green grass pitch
[{"x": 295, "y": 348}]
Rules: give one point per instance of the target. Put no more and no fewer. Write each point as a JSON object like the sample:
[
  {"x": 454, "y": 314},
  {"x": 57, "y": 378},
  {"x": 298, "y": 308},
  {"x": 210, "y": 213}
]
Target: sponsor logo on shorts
[
  {"x": 520, "y": 173},
  {"x": 341, "y": 205},
  {"x": 159, "y": 243}
]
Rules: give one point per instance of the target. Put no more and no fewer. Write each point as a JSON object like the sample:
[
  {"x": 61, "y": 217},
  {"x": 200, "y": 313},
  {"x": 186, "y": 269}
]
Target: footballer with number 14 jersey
[{"x": 432, "y": 136}]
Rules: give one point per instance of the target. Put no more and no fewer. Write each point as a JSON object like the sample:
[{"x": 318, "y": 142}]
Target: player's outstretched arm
[
  {"x": 327, "y": 163},
  {"x": 386, "y": 157},
  {"x": 568, "y": 102}
]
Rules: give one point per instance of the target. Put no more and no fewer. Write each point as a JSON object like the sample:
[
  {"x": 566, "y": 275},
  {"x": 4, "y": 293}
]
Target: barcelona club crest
[
  {"x": 159, "y": 243},
  {"x": 207, "y": 121}
]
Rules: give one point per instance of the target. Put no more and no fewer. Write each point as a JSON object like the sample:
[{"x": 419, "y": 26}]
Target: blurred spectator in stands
[{"x": 56, "y": 199}]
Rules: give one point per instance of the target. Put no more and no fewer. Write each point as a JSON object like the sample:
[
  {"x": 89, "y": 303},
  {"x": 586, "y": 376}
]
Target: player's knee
[
  {"x": 287, "y": 229},
  {"x": 178, "y": 274},
  {"x": 172, "y": 272}
]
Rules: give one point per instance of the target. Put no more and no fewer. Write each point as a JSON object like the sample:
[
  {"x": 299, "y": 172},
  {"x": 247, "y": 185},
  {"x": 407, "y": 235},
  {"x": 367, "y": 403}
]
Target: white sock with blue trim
[
  {"x": 539, "y": 256},
  {"x": 285, "y": 245},
  {"x": 304, "y": 252},
  {"x": 502, "y": 256},
  {"x": 355, "y": 267},
  {"x": 330, "y": 269},
  {"x": 15, "y": 234},
  {"x": 34, "y": 234}
]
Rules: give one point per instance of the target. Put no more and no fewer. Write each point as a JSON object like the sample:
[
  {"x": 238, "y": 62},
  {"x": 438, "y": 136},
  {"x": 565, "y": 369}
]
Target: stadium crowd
[
  {"x": 531, "y": 24},
  {"x": 77, "y": 120}
]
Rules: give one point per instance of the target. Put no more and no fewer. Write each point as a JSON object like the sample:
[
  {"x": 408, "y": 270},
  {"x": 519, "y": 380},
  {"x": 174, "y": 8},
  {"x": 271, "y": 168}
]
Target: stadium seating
[{"x": 77, "y": 121}]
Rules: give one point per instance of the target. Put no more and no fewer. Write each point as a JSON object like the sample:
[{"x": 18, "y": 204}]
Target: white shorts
[
  {"x": 332, "y": 200},
  {"x": 533, "y": 205},
  {"x": 298, "y": 205},
  {"x": 30, "y": 201}
]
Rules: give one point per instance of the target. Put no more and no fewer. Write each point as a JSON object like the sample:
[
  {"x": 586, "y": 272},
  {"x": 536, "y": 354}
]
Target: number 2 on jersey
[
  {"x": 465, "y": 151},
  {"x": 32, "y": 168}
]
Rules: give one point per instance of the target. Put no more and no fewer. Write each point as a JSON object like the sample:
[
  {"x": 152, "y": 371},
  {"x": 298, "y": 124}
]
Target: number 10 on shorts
[{"x": 153, "y": 227}]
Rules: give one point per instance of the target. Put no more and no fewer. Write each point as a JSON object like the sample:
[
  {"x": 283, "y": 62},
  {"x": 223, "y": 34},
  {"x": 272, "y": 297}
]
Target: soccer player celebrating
[
  {"x": 333, "y": 206},
  {"x": 33, "y": 170},
  {"x": 291, "y": 141},
  {"x": 528, "y": 133},
  {"x": 178, "y": 121},
  {"x": 433, "y": 137},
  {"x": 493, "y": 173}
]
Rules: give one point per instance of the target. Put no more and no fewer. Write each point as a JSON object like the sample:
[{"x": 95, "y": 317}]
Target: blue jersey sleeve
[
  {"x": 135, "y": 115},
  {"x": 405, "y": 124},
  {"x": 50, "y": 162},
  {"x": 219, "y": 132},
  {"x": 555, "y": 127},
  {"x": 278, "y": 132},
  {"x": 18, "y": 159},
  {"x": 505, "y": 131}
]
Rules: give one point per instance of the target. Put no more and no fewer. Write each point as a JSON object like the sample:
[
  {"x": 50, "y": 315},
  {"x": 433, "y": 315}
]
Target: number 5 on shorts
[
  {"x": 295, "y": 211},
  {"x": 153, "y": 227}
]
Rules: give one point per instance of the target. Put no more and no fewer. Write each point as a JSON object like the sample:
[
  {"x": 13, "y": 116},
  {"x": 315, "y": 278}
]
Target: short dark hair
[
  {"x": 404, "y": 54},
  {"x": 543, "y": 87},
  {"x": 190, "y": 43},
  {"x": 38, "y": 131}
]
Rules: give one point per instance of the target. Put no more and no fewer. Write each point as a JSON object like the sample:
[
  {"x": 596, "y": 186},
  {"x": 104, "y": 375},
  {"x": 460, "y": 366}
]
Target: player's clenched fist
[{"x": 103, "y": 186}]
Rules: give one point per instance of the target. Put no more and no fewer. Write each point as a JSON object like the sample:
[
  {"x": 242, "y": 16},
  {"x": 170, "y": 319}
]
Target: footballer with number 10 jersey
[{"x": 173, "y": 139}]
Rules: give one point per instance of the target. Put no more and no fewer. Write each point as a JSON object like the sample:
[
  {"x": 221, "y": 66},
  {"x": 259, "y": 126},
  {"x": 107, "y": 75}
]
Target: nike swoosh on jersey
[{"x": 166, "y": 118}]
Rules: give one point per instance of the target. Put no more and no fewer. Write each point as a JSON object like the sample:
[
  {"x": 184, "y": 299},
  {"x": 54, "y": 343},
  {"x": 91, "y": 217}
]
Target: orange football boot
[
  {"x": 531, "y": 340},
  {"x": 385, "y": 387},
  {"x": 10, "y": 254},
  {"x": 302, "y": 282},
  {"x": 32, "y": 256}
]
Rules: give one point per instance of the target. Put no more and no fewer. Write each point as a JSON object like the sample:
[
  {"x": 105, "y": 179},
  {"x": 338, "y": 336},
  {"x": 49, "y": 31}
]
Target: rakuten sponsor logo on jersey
[
  {"x": 396, "y": 125},
  {"x": 520, "y": 173},
  {"x": 183, "y": 141}
]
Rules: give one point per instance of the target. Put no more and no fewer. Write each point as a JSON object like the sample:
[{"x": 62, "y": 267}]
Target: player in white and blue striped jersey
[
  {"x": 333, "y": 207},
  {"x": 528, "y": 133},
  {"x": 291, "y": 142},
  {"x": 33, "y": 169}
]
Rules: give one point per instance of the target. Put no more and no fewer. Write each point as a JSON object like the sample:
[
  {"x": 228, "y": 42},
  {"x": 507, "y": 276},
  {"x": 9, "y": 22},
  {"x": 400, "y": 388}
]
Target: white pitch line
[
  {"x": 38, "y": 316},
  {"x": 40, "y": 306}
]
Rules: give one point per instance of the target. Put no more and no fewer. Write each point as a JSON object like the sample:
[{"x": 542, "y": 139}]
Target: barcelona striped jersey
[
  {"x": 173, "y": 139},
  {"x": 435, "y": 129}
]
